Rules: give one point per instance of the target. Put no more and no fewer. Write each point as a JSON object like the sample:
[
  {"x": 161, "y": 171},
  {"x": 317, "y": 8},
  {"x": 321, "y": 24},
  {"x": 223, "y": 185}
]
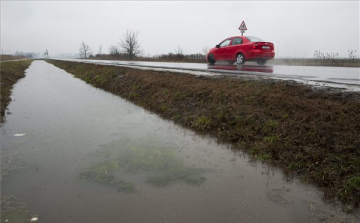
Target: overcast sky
[{"x": 297, "y": 28}]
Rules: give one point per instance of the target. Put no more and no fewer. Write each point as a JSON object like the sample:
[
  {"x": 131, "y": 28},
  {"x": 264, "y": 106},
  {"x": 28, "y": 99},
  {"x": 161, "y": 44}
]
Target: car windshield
[
  {"x": 225, "y": 43},
  {"x": 254, "y": 39}
]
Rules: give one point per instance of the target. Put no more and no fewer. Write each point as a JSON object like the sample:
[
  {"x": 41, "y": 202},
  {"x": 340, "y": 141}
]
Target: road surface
[{"x": 347, "y": 78}]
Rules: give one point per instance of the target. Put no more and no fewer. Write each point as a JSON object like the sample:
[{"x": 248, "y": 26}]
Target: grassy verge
[
  {"x": 10, "y": 73},
  {"x": 312, "y": 133}
]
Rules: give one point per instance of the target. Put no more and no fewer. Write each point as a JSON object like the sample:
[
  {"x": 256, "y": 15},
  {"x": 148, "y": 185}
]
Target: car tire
[
  {"x": 211, "y": 59},
  {"x": 261, "y": 62},
  {"x": 240, "y": 59}
]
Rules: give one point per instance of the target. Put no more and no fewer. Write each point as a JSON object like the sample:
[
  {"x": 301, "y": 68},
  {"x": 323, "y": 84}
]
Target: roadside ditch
[{"x": 308, "y": 132}]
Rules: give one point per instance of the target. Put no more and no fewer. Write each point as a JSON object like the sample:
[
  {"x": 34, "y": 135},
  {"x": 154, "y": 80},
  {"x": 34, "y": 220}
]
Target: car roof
[{"x": 237, "y": 36}]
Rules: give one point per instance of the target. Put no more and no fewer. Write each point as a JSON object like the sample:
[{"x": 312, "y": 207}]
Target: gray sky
[{"x": 297, "y": 28}]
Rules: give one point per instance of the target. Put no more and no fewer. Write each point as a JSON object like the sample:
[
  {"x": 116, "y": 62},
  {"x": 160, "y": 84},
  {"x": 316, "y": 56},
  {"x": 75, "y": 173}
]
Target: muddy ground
[
  {"x": 10, "y": 73},
  {"x": 308, "y": 132}
]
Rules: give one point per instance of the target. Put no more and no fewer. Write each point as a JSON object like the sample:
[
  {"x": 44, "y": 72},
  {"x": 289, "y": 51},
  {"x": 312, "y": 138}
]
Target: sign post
[{"x": 242, "y": 28}]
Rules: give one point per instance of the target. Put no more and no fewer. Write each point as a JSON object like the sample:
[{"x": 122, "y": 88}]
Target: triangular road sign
[{"x": 242, "y": 26}]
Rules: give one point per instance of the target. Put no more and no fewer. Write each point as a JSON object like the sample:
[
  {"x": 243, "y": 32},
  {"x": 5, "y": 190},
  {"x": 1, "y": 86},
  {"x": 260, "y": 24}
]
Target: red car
[{"x": 241, "y": 49}]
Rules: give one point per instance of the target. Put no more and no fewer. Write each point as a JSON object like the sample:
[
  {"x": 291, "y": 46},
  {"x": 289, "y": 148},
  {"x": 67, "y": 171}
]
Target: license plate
[{"x": 265, "y": 47}]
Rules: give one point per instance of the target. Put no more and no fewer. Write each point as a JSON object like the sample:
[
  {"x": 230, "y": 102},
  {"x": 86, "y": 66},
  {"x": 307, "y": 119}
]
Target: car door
[
  {"x": 221, "y": 52},
  {"x": 233, "y": 48}
]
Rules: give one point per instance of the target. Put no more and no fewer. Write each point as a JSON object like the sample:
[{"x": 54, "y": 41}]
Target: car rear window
[{"x": 254, "y": 39}]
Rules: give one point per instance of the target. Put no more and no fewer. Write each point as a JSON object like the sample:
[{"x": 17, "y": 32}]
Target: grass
[
  {"x": 10, "y": 73},
  {"x": 6, "y": 57},
  {"x": 202, "y": 123},
  {"x": 308, "y": 132}
]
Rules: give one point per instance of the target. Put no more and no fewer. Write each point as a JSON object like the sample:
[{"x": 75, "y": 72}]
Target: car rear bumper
[{"x": 258, "y": 54}]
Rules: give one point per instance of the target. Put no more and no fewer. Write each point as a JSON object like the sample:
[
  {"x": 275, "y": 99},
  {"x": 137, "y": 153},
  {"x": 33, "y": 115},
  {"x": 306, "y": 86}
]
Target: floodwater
[{"x": 80, "y": 154}]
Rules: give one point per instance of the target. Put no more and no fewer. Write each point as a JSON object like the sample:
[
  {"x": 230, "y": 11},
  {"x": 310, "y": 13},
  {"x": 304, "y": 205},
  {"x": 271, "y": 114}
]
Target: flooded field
[{"x": 74, "y": 153}]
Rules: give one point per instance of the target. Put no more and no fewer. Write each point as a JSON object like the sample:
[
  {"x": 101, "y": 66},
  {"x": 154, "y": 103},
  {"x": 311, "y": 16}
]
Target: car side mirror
[{"x": 217, "y": 46}]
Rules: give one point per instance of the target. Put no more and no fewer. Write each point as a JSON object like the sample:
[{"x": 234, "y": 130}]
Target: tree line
[{"x": 129, "y": 48}]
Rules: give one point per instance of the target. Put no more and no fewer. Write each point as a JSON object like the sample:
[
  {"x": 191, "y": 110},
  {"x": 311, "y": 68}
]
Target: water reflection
[
  {"x": 248, "y": 68},
  {"x": 154, "y": 163}
]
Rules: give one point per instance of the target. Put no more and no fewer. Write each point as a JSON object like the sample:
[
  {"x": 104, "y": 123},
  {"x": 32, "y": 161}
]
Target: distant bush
[
  {"x": 321, "y": 59},
  {"x": 170, "y": 57}
]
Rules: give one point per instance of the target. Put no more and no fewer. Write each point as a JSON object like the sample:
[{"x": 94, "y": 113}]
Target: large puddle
[{"x": 75, "y": 153}]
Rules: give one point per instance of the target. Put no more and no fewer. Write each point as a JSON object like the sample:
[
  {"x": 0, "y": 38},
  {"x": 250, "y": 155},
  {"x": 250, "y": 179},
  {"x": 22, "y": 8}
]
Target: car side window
[
  {"x": 237, "y": 41},
  {"x": 225, "y": 43}
]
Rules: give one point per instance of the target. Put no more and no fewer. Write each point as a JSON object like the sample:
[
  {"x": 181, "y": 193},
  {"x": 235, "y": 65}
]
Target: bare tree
[
  {"x": 84, "y": 49},
  {"x": 205, "y": 50},
  {"x": 130, "y": 44},
  {"x": 178, "y": 51},
  {"x": 100, "y": 48},
  {"x": 113, "y": 50}
]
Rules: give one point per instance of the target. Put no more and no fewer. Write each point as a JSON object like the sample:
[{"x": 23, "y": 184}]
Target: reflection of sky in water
[{"x": 70, "y": 125}]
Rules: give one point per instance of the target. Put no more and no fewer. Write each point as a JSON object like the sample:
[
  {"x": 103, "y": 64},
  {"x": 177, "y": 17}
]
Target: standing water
[{"x": 74, "y": 153}]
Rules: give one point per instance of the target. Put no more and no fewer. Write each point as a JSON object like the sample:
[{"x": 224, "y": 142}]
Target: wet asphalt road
[{"x": 347, "y": 78}]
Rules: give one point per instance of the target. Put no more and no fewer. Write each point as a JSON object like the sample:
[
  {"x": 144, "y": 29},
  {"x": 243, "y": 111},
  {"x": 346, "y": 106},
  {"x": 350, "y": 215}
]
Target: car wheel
[
  {"x": 261, "y": 62},
  {"x": 240, "y": 59},
  {"x": 211, "y": 59},
  {"x": 231, "y": 62}
]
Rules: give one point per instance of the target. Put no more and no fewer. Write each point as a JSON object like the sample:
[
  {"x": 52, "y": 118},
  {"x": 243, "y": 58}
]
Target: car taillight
[{"x": 255, "y": 46}]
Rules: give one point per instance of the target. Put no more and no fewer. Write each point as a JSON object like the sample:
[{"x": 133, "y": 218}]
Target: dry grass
[{"x": 4, "y": 57}]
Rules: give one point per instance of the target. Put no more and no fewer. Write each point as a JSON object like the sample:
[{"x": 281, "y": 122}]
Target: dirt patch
[
  {"x": 309, "y": 132},
  {"x": 10, "y": 73}
]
